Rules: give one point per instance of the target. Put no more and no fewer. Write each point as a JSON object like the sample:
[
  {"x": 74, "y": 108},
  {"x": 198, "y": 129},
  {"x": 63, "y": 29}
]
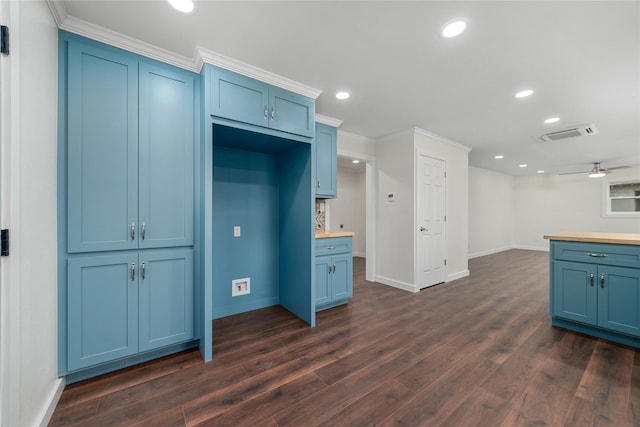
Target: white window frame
[{"x": 606, "y": 199}]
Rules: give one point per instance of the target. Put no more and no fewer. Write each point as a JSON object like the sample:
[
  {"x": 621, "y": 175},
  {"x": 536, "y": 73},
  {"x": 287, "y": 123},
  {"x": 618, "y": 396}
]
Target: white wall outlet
[
  {"x": 236, "y": 231},
  {"x": 240, "y": 287}
]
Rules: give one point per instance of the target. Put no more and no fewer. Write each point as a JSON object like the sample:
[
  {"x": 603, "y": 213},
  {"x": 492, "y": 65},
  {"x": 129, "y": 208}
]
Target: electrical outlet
[
  {"x": 240, "y": 287},
  {"x": 236, "y": 231}
]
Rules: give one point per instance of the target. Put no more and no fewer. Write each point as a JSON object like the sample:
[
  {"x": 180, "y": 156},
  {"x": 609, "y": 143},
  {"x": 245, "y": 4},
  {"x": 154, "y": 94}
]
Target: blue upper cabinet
[
  {"x": 166, "y": 157},
  {"x": 130, "y": 152},
  {"x": 243, "y": 99},
  {"x": 326, "y": 161},
  {"x": 102, "y": 149}
]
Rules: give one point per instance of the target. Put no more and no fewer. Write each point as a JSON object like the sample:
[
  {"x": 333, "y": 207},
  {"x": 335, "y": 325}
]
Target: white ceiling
[{"x": 582, "y": 58}]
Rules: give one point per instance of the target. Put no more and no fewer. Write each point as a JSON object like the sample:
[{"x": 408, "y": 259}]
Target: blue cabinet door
[
  {"x": 619, "y": 299},
  {"x": 166, "y": 298},
  {"x": 102, "y": 309},
  {"x": 238, "y": 98},
  {"x": 342, "y": 277},
  {"x": 323, "y": 279},
  {"x": 326, "y": 161},
  {"x": 290, "y": 112},
  {"x": 166, "y": 140},
  {"x": 575, "y": 291},
  {"x": 102, "y": 177}
]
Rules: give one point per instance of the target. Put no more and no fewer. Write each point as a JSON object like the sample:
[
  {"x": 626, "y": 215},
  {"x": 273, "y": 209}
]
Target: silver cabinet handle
[
  {"x": 318, "y": 184},
  {"x": 330, "y": 248},
  {"x": 597, "y": 255},
  {"x": 142, "y": 231},
  {"x": 133, "y": 231},
  {"x": 266, "y": 112},
  {"x": 142, "y": 271},
  {"x": 334, "y": 269},
  {"x": 602, "y": 280},
  {"x": 273, "y": 113},
  {"x": 329, "y": 267},
  {"x": 133, "y": 272},
  {"x": 591, "y": 279}
]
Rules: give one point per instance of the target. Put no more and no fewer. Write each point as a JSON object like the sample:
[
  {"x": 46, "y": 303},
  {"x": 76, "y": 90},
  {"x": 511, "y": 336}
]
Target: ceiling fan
[{"x": 597, "y": 171}]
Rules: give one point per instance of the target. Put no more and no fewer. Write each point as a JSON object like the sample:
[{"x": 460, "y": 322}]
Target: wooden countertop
[
  {"x": 594, "y": 237},
  {"x": 323, "y": 234}
]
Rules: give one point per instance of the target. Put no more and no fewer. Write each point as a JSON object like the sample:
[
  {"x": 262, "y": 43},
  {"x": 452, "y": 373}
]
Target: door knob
[{"x": 423, "y": 229}]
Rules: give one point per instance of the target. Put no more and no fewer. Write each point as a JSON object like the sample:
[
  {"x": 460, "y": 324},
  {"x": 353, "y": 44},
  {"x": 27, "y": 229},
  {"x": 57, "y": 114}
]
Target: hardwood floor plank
[
  {"x": 372, "y": 407},
  {"x": 263, "y": 406},
  {"x": 321, "y": 406},
  {"x": 479, "y": 351},
  {"x": 603, "y": 394}
]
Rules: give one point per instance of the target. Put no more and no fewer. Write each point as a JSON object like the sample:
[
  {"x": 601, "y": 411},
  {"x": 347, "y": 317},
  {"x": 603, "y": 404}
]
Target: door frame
[{"x": 416, "y": 264}]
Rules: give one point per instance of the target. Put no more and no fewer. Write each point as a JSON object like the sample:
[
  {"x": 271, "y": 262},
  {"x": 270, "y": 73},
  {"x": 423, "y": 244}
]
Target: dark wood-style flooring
[{"x": 479, "y": 351}]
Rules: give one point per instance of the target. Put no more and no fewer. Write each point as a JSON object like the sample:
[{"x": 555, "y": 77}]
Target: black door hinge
[
  {"x": 4, "y": 239},
  {"x": 4, "y": 39}
]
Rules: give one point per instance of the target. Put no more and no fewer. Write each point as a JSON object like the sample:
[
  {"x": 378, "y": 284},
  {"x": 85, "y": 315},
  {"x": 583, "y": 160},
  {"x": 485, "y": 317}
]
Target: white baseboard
[
  {"x": 532, "y": 248},
  {"x": 506, "y": 248},
  {"x": 47, "y": 412},
  {"x": 397, "y": 284},
  {"x": 458, "y": 275},
  {"x": 489, "y": 252}
]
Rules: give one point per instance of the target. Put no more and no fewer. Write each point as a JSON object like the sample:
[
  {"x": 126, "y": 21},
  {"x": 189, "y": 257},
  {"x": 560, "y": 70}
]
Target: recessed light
[
  {"x": 454, "y": 28},
  {"x": 552, "y": 120},
  {"x": 342, "y": 95},
  {"x": 184, "y": 6},
  {"x": 355, "y": 161},
  {"x": 524, "y": 93},
  {"x": 540, "y": 171},
  {"x": 523, "y": 166},
  {"x": 499, "y": 156}
]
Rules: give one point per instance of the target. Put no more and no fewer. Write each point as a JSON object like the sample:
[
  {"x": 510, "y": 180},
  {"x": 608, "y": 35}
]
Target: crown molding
[
  {"x": 356, "y": 136},
  {"x": 442, "y": 139},
  {"x": 58, "y": 11},
  {"x": 329, "y": 121},
  {"x": 205, "y": 56},
  {"x": 201, "y": 56}
]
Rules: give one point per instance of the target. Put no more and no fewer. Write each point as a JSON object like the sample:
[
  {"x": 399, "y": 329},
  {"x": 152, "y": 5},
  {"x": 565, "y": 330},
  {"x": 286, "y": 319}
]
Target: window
[{"x": 621, "y": 198}]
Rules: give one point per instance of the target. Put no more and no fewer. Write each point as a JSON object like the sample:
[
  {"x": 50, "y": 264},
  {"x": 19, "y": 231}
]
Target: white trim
[
  {"x": 489, "y": 252},
  {"x": 532, "y": 248},
  {"x": 201, "y": 55},
  {"x": 53, "y": 400},
  {"x": 606, "y": 198},
  {"x": 456, "y": 276},
  {"x": 329, "y": 121},
  {"x": 58, "y": 11},
  {"x": 359, "y": 254},
  {"x": 354, "y": 136},
  {"x": 371, "y": 218},
  {"x": 442, "y": 139},
  {"x": 397, "y": 284}
]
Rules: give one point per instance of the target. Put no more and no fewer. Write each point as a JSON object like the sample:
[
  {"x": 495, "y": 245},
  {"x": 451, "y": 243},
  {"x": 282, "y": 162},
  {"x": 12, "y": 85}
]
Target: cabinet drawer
[
  {"x": 597, "y": 253},
  {"x": 333, "y": 245}
]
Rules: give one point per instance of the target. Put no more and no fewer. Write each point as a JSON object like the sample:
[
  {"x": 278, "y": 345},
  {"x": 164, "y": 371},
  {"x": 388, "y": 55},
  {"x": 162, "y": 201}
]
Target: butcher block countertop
[
  {"x": 323, "y": 234},
  {"x": 594, "y": 237}
]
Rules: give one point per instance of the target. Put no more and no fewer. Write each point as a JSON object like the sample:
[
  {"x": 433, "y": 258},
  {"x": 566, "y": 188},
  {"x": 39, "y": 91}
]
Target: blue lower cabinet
[
  {"x": 334, "y": 272},
  {"x": 119, "y": 305},
  {"x": 166, "y": 298},
  {"x": 596, "y": 297}
]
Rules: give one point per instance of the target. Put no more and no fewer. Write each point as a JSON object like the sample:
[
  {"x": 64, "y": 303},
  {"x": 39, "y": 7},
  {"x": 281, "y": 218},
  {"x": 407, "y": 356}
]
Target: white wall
[
  {"x": 457, "y": 158},
  {"x": 491, "y": 212},
  {"x": 349, "y": 208},
  {"x": 357, "y": 146},
  {"x": 555, "y": 203},
  {"x": 32, "y": 217},
  {"x": 394, "y": 258}
]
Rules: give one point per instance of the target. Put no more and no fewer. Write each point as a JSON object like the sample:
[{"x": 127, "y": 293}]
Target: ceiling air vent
[{"x": 582, "y": 130}]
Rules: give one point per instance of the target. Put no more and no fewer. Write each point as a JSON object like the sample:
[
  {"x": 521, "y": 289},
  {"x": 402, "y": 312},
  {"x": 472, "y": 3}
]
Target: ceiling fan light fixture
[{"x": 596, "y": 174}]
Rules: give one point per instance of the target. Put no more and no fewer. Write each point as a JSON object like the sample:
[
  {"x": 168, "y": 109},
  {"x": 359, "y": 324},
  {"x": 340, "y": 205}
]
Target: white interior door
[{"x": 431, "y": 198}]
